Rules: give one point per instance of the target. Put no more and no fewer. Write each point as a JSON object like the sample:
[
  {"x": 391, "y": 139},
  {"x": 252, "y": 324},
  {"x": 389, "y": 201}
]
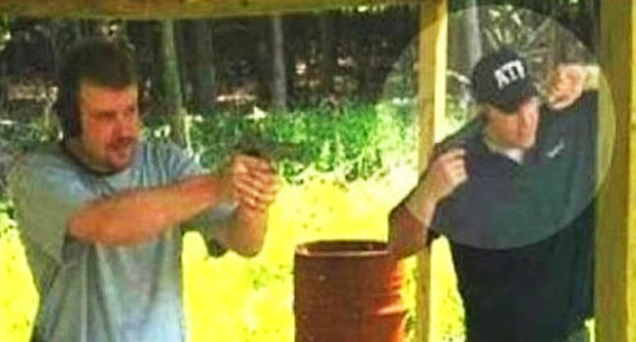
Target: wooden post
[
  {"x": 616, "y": 229},
  {"x": 431, "y": 97}
]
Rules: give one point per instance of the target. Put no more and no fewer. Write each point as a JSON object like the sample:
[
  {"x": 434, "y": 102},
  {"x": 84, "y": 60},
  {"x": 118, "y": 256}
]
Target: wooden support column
[
  {"x": 616, "y": 229},
  {"x": 431, "y": 99}
]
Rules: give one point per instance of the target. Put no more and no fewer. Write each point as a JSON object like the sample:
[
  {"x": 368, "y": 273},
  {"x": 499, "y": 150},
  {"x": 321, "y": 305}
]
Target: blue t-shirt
[{"x": 95, "y": 292}]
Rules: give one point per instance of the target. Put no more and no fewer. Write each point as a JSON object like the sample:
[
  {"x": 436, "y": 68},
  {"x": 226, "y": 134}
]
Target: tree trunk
[
  {"x": 466, "y": 46},
  {"x": 328, "y": 60},
  {"x": 77, "y": 29},
  {"x": 204, "y": 72},
  {"x": 591, "y": 9},
  {"x": 473, "y": 47},
  {"x": 264, "y": 66},
  {"x": 465, "y": 38},
  {"x": 279, "y": 76},
  {"x": 180, "y": 40},
  {"x": 144, "y": 37},
  {"x": 172, "y": 86}
]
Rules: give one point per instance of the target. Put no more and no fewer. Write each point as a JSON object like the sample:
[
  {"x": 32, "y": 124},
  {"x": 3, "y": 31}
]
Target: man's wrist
[
  {"x": 407, "y": 234},
  {"x": 421, "y": 206},
  {"x": 220, "y": 189}
]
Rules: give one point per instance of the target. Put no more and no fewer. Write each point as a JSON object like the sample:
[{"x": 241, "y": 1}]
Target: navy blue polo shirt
[{"x": 521, "y": 235}]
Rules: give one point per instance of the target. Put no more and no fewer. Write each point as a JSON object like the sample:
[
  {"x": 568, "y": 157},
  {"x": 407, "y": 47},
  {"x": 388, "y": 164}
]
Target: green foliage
[
  {"x": 5, "y": 34},
  {"x": 24, "y": 136},
  {"x": 355, "y": 141},
  {"x": 6, "y": 217},
  {"x": 16, "y": 138}
]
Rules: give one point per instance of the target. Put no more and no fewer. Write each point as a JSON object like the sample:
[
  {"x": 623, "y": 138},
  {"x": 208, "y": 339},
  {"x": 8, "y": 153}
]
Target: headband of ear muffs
[{"x": 101, "y": 60}]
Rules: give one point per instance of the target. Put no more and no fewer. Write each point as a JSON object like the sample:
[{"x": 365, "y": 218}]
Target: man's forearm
[
  {"x": 408, "y": 227},
  {"x": 410, "y": 220},
  {"x": 136, "y": 216},
  {"x": 246, "y": 234}
]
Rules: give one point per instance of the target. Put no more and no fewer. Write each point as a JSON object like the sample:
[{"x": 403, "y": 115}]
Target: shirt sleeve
[
  {"x": 441, "y": 221},
  {"x": 207, "y": 223},
  {"x": 45, "y": 195}
]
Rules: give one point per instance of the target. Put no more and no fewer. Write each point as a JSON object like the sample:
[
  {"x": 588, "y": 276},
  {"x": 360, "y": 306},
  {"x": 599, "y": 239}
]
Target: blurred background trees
[{"x": 233, "y": 69}]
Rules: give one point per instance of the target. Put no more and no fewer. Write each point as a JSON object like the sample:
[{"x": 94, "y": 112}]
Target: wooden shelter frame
[{"x": 615, "y": 298}]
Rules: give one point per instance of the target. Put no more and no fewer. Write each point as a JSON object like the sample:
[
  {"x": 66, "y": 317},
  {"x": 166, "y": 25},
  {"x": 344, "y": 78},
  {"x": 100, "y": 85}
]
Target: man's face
[
  {"x": 514, "y": 130},
  {"x": 110, "y": 125}
]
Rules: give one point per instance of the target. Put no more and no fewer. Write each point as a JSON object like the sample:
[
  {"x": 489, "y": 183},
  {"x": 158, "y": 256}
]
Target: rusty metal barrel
[{"x": 348, "y": 291}]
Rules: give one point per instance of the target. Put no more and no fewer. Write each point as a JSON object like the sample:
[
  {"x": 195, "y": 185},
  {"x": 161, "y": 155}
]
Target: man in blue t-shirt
[
  {"x": 102, "y": 213},
  {"x": 512, "y": 192}
]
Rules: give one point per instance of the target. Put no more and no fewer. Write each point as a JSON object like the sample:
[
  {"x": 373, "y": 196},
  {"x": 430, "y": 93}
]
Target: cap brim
[{"x": 515, "y": 96}]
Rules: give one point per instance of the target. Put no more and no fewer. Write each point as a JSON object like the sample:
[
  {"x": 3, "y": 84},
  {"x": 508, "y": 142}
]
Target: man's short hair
[{"x": 102, "y": 61}]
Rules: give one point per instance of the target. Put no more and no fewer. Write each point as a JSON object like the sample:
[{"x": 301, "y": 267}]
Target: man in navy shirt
[{"x": 512, "y": 192}]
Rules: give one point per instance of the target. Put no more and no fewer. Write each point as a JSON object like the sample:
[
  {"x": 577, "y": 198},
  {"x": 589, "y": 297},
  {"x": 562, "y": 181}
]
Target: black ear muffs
[
  {"x": 67, "y": 110},
  {"x": 106, "y": 62}
]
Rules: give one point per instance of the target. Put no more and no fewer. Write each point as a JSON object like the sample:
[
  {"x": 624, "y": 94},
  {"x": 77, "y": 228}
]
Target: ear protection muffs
[
  {"x": 85, "y": 60},
  {"x": 67, "y": 105}
]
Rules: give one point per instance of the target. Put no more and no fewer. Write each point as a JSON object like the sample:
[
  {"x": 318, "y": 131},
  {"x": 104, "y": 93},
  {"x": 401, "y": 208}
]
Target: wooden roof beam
[{"x": 175, "y": 9}]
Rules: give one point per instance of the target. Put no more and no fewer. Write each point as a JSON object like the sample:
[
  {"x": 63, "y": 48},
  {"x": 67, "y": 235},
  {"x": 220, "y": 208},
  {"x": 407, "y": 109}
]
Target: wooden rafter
[{"x": 175, "y": 9}]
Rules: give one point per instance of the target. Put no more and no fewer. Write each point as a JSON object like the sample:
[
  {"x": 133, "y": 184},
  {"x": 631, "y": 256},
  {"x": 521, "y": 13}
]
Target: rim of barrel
[{"x": 342, "y": 248}]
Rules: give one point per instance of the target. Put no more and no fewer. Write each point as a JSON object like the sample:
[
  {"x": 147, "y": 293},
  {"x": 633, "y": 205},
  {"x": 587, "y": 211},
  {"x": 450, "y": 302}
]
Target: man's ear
[{"x": 484, "y": 110}]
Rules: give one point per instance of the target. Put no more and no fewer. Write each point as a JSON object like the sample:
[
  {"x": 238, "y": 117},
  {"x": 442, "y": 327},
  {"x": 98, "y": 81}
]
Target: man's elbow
[
  {"x": 247, "y": 236},
  {"x": 90, "y": 227},
  {"x": 400, "y": 248},
  {"x": 245, "y": 246},
  {"x": 80, "y": 229},
  {"x": 405, "y": 234},
  {"x": 93, "y": 233},
  {"x": 249, "y": 250}
]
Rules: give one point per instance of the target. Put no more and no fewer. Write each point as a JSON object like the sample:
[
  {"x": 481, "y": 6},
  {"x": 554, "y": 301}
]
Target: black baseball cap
[{"x": 502, "y": 78}]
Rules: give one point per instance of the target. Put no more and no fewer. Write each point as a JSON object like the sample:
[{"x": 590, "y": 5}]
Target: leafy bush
[
  {"x": 18, "y": 137},
  {"x": 356, "y": 140}
]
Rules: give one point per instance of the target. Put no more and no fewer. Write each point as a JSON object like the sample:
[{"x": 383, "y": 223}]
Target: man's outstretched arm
[
  {"x": 139, "y": 215},
  {"x": 410, "y": 220},
  {"x": 135, "y": 216}
]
